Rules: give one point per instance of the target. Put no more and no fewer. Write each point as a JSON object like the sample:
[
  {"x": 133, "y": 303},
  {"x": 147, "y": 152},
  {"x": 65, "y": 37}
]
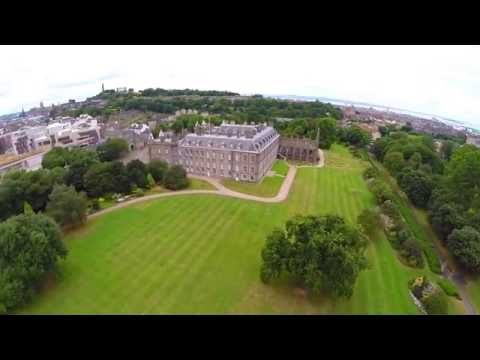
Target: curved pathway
[{"x": 220, "y": 190}]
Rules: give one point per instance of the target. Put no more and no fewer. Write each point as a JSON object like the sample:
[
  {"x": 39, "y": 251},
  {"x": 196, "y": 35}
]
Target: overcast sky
[{"x": 441, "y": 80}]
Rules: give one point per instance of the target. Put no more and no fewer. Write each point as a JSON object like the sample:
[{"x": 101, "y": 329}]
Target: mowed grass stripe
[
  {"x": 202, "y": 258},
  {"x": 188, "y": 243}
]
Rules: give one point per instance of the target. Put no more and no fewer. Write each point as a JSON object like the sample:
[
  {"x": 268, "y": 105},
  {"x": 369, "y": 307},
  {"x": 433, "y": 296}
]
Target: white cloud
[{"x": 442, "y": 80}]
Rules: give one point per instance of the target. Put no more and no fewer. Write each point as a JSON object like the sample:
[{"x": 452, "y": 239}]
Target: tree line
[
  {"x": 444, "y": 179},
  {"x": 36, "y": 206}
]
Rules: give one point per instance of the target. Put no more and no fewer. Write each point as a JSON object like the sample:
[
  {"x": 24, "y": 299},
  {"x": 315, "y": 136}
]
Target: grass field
[
  {"x": 267, "y": 187},
  {"x": 280, "y": 167},
  {"x": 201, "y": 254}
]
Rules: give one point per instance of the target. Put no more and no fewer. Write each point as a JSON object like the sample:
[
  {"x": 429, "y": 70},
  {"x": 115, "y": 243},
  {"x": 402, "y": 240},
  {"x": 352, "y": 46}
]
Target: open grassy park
[{"x": 201, "y": 254}]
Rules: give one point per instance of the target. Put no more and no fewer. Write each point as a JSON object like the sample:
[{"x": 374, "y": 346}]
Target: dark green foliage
[
  {"x": 356, "y": 136},
  {"x": 176, "y": 178},
  {"x": 321, "y": 251},
  {"x": 107, "y": 177},
  {"x": 34, "y": 187},
  {"x": 380, "y": 190},
  {"x": 67, "y": 207},
  {"x": 57, "y": 157},
  {"x": 137, "y": 173},
  {"x": 158, "y": 169},
  {"x": 445, "y": 218},
  {"x": 112, "y": 149},
  {"x": 379, "y": 148},
  {"x": 369, "y": 220},
  {"x": 417, "y": 185},
  {"x": 464, "y": 244},
  {"x": 30, "y": 246},
  {"x": 463, "y": 175},
  {"x": 79, "y": 161},
  {"x": 327, "y": 132},
  {"x": 394, "y": 162},
  {"x": 436, "y": 303},
  {"x": 370, "y": 173},
  {"x": 449, "y": 288}
]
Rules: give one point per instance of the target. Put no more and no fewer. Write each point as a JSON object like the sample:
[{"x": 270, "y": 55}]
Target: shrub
[
  {"x": 436, "y": 303},
  {"x": 370, "y": 173},
  {"x": 449, "y": 288},
  {"x": 95, "y": 204}
]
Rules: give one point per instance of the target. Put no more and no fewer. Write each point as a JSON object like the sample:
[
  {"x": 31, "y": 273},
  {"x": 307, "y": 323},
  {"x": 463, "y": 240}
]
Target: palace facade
[{"x": 240, "y": 152}]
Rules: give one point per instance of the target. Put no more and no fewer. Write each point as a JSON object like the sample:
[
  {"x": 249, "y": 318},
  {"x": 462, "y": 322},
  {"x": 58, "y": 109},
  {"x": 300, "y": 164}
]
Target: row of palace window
[
  {"x": 199, "y": 165},
  {"x": 213, "y": 172}
]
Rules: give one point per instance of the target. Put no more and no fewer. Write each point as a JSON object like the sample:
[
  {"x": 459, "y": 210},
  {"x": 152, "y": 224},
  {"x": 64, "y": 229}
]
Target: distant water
[{"x": 454, "y": 123}]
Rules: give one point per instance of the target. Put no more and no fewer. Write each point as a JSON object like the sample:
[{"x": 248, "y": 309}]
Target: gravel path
[{"x": 221, "y": 190}]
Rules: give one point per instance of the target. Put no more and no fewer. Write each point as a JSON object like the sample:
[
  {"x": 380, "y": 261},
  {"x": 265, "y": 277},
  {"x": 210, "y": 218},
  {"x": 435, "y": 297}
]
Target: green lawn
[
  {"x": 201, "y": 254},
  {"x": 196, "y": 184},
  {"x": 267, "y": 187},
  {"x": 280, "y": 167}
]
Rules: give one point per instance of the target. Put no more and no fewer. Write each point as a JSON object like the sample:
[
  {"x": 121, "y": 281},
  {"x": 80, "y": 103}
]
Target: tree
[
  {"x": 112, "y": 149},
  {"x": 464, "y": 244},
  {"x": 98, "y": 180},
  {"x": 384, "y": 131},
  {"x": 394, "y": 162},
  {"x": 445, "y": 218},
  {"x": 80, "y": 160},
  {"x": 275, "y": 255},
  {"x": 176, "y": 178},
  {"x": 67, "y": 207},
  {"x": 150, "y": 181},
  {"x": 463, "y": 174},
  {"x": 415, "y": 161},
  {"x": 33, "y": 187},
  {"x": 321, "y": 251},
  {"x": 356, "y": 136},
  {"x": 30, "y": 246},
  {"x": 447, "y": 149},
  {"x": 369, "y": 220},
  {"x": 417, "y": 185},
  {"x": 436, "y": 303},
  {"x": 157, "y": 168},
  {"x": 57, "y": 157},
  {"x": 137, "y": 173},
  {"x": 328, "y": 132}
]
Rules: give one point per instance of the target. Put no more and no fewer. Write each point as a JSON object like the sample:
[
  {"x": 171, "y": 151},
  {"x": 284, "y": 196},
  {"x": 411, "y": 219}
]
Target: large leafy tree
[
  {"x": 57, "y": 157},
  {"x": 176, "y": 178},
  {"x": 328, "y": 132},
  {"x": 67, "y": 207},
  {"x": 107, "y": 177},
  {"x": 394, "y": 162},
  {"x": 464, "y": 244},
  {"x": 323, "y": 252},
  {"x": 112, "y": 149},
  {"x": 80, "y": 160},
  {"x": 158, "y": 169},
  {"x": 30, "y": 246},
  {"x": 33, "y": 187},
  {"x": 463, "y": 173},
  {"x": 446, "y": 218},
  {"x": 137, "y": 173},
  {"x": 417, "y": 185},
  {"x": 356, "y": 136}
]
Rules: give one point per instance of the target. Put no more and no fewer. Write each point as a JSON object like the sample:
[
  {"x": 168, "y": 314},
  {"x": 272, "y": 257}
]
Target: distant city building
[{"x": 64, "y": 132}]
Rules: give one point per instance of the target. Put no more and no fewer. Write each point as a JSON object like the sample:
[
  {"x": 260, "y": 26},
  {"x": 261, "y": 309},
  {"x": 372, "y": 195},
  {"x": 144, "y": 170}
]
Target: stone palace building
[{"x": 240, "y": 152}]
